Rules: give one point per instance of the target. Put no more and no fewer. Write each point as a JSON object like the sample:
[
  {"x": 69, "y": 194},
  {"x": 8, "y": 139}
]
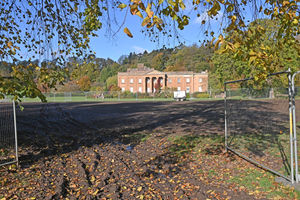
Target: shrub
[{"x": 200, "y": 95}]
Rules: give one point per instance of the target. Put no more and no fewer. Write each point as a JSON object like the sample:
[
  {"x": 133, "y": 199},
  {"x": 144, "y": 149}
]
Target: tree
[
  {"x": 63, "y": 28},
  {"x": 84, "y": 83},
  {"x": 230, "y": 65},
  {"x": 112, "y": 81}
]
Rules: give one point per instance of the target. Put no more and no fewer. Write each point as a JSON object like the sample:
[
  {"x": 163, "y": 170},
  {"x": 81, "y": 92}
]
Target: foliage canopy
[{"x": 61, "y": 29}]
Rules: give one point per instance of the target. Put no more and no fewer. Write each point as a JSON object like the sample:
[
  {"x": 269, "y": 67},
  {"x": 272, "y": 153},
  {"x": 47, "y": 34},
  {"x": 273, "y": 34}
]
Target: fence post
[
  {"x": 225, "y": 105},
  {"x": 16, "y": 134},
  {"x": 294, "y": 125},
  {"x": 291, "y": 126}
]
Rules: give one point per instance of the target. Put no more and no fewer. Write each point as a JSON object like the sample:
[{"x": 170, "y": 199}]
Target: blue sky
[{"x": 121, "y": 44}]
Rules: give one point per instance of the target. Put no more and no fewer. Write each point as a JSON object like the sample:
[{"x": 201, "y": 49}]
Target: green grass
[
  {"x": 257, "y": 180},
  {"x": 84, "y": 99},
  {"x": 265, "y": 145},
  {"x": 136, "y": 137},
  {"x": 187, "y": 143}
]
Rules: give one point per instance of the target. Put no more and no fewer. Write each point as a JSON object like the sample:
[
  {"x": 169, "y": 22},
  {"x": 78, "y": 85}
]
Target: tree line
[{"x": 99, "y": 74}]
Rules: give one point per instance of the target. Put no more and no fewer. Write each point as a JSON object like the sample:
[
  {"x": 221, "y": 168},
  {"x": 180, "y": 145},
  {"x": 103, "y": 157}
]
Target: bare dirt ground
[{"x": 123, "y": 150}]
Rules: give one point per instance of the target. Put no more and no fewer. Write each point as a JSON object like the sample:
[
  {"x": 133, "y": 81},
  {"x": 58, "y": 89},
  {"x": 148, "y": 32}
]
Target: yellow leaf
[
  {"x": 285, "y": 3},
  {"x": 149, "y": 11},
  {"x": 140, "y": 188},
  {"x": 127, "y": 31},
  {"x": 142, "y": 6},
  {"x": 9, "y": 44},
  {"x": 295, "y": 21},
  {"x": 146, "y": 21},
  {"x": 138, "y": 13},
  {"x": 96, "y": 192},
  {"x": 122, "y": 6}
]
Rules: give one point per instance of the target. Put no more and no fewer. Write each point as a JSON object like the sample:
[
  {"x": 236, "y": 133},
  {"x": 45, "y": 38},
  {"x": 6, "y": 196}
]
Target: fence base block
[{"x": 288, "y": 183}]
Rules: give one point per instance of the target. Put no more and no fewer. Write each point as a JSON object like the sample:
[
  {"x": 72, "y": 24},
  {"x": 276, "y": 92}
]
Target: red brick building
[{"x": 145, "y": 80}]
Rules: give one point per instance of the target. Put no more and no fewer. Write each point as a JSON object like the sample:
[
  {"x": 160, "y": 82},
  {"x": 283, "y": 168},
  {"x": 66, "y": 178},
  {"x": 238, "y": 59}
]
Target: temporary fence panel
[
  {"x": 296, "y": 119},
  {"x": 8, "y": 133},
  {"x": 68, "y": 96},
  {"x": 257, "y": 122},
  {"x": 164, "y": 95}
]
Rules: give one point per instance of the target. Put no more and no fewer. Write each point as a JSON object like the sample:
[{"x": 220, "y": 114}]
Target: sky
[{"x": 121, "y": 44}]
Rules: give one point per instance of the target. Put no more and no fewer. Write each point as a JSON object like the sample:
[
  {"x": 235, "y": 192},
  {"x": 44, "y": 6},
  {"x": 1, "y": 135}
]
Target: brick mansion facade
[{"x": 145, "y": 80}]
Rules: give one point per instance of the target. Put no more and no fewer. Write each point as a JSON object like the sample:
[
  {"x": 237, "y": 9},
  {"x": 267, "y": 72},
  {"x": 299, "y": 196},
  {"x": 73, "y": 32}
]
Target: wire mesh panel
[
  {"x": 257, "y": 122},
  {"x": 68, "y": 96},
  {"x": 8, "y": 136}
]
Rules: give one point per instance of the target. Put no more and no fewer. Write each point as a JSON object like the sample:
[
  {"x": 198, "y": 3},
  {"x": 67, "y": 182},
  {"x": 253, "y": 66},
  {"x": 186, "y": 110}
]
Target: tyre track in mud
[
  {"x": 83, "y": 166},
  {"x": 81, "y": 174}
]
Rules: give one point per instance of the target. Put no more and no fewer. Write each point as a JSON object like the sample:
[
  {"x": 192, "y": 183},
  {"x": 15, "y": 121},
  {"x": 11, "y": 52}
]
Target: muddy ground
[{"x": 118, "y": 151}]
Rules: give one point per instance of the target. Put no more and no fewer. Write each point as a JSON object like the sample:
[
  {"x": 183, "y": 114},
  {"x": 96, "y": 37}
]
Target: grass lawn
[{"x": 219, "y": 167}]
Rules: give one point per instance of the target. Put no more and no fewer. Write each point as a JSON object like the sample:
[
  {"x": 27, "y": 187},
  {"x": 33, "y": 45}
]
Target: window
[
  {"x": 140, "y": 80},
  {"x": 131, "y": 89},
  {"x": 148, "y": 90},
  {"x": 140, "y": 89},
  {"x": 148, "y": 80},
  {"x": 188, "y": 80},
  {"x": 131, "y": 80},
  {"x": 123, "y": 89},
  {"x": 123, "y": 81},
  {"x": 187, "y": 89},
  {"x": 200, "y": 80},
  {"x": 200, "y": 89},
  {"x": 178, "y": 89},
  {"x": 170, "y": 80},
  {"x": 178, "y": 80}
]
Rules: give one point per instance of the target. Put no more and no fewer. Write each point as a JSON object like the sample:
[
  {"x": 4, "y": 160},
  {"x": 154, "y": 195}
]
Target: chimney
[{"x": 140, "y": 65}]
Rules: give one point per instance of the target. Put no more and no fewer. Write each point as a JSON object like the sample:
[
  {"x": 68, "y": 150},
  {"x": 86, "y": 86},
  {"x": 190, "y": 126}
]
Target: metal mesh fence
[
  {"x": 123, "y": 96},
  {"x": 8, "y": 136},
  {"x": 257, "y": 123}
]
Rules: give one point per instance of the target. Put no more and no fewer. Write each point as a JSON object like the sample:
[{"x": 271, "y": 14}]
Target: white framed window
[
  {"x": 123, "y": 89},
  {"x": 140, "y": 89},
  {"x": 170, "y": 80},
  {"x": 178, "y": 80},
  {"x": 140, "y": 80},
  {"x": 187, "y": 89},
  {"x": 188, "y": 80},
  {"x": 131, "y": 89},
  {"x": 123, "y": 80},
  {"x": 200, "y": 89},
  {"x": 178, "y": 88},
  {"x": 148, "y": 80},
  {"x": 200, "y": 80},
  {"x": 131, "y": 80}
]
